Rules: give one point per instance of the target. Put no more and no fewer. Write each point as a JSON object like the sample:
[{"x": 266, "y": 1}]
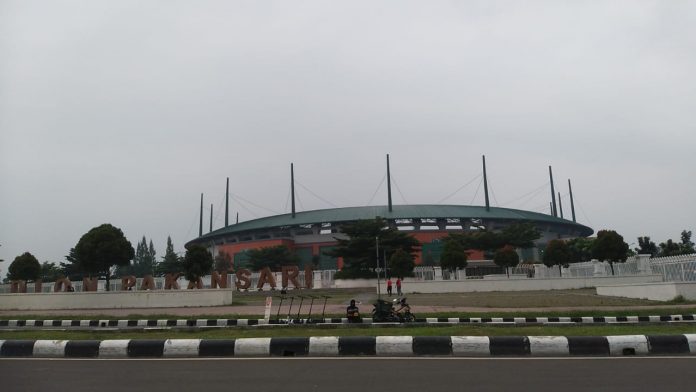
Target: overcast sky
[{"x": 125, "y": 111}]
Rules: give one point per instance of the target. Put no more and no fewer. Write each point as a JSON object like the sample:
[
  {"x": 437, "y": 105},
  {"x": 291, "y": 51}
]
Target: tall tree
[
  {"x": 102, "y": 248},
  {"x": 580, "y": 249},
  {"x": 24, "y": 267},
  {"x": 358, "y": 251},
  {"x": 198, "y": 262},
  {"x": 72, "y": 267},
  {"x": 557, "y": 253},
  {"x": 401, "y": 264},
  {"x": 453, "y": 256},
  {"x": 274, "y": 257},
  {"x": 144, "y": 261},
  {"x": 521, "y": 235},
  {"x": 171, "y": 263},
  {"x": 610, "y": 246},
  {"x": 646, "y": 247},
  {"x": 50, "y": 272},
  {"x": 670, "y": 248},
  {"x": 429, "y": 259},
  {"x": 518, "y": 235},
  {"x": 151, "y": 259},
  {"x": 506, "y": 257},
  {"x": 223, "y": 261},
  {"x": 687, "y": 246}
]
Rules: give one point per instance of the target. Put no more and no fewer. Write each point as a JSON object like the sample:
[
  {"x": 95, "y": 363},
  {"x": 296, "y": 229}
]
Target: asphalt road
[{"x": 350, "y": 374}]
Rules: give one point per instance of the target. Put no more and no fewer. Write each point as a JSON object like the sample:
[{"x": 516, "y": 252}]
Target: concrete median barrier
[{"x": 353, "y": 346}]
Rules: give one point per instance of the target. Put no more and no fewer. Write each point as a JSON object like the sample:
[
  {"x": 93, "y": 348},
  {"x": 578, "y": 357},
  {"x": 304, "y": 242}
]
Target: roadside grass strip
[
  {"x": 225, "y": 323},
  {"x": 353, "y": 346}
]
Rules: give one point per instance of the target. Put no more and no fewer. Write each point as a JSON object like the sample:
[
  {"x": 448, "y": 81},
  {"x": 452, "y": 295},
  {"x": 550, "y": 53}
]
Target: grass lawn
[
  {"x": 335, "y": 296},
  {"x": 489, "y": 304},
  {"x": 290, "y": 331},
  {"x": 492, "y": 313},
  {"x": 496, "y": 299},
  {"x": 528, "y": 299}
]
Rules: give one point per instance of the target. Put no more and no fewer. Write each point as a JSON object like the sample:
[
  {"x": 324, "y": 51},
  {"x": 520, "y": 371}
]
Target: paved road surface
[{"x": 353, "y": 375}]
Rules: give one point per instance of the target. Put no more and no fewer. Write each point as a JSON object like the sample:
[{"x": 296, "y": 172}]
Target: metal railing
[
  {"x": 672, "y": 269},
  {"x": 675, "y": 268}
]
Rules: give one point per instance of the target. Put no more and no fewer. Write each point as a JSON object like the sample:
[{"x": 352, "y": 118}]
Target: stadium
[{"x": 310, "y": 234}]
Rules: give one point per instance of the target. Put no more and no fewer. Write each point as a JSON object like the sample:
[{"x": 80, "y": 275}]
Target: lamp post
[{"x": 377, "y": 269}]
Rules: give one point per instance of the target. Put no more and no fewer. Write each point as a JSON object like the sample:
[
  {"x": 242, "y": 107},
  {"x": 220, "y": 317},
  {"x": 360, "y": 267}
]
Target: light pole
[{"x": 379, "y": 290}]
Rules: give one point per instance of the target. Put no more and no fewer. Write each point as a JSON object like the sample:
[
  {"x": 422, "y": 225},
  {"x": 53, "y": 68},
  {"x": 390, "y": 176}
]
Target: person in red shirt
[
  {"x": 398, "y": 286},
  {"x": 389, "y": 287}
]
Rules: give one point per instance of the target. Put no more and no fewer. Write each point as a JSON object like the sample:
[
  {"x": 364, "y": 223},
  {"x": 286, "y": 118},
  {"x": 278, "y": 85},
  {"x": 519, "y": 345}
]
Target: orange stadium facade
[{"x": 312, "y": 233}]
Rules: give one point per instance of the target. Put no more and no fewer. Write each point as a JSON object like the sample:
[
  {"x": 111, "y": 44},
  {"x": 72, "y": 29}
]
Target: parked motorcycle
[{"x": 385, "y": 312}]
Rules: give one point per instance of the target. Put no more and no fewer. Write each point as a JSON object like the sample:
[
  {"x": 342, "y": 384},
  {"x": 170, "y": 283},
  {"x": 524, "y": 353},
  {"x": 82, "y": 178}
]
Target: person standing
[
  {"x": 389, "y": 286},
  {"x": 398, "y": 287}
]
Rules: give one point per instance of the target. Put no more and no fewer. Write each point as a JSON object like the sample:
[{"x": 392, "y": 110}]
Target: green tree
[
  {"x": 171, "y": 263},
  {"x": 143, "y": 262},
  {"x": 557, "y": 253},
  {"x": 50, "y": 272},
  {"x": 670, "y": 248},
  {"x": 518, "y": 235},
  {"x": 687, "y": 246},
  {"x": 646, "y": 247},
  {"x": 358, "y": 251},
  {"x": 102, "y": 248},
  {"x": 151, "y": 259},
  {"x": 506, "y": 257},
  {"x": 274, "y": 257},
  {"x": 401, "y": 264},
  {"x": 198, "y": 262},
  {"x": 580, "y": 249},
  {"x": 24, "y": 267},
  {"x": 428, "y": 259},
  {"x": 610, "y": 246},
  {"x": 72, "y": 268},
  {"x": 453, "y": 256},
  {"x": 521, "y": 235},
  {"x": 223, "y": 261},
  {"x": 316, "y": 259}
]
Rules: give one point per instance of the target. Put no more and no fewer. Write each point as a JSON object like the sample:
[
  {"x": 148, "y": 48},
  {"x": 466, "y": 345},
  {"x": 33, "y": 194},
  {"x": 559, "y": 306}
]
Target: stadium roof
[{"x": 418, "y": 211}]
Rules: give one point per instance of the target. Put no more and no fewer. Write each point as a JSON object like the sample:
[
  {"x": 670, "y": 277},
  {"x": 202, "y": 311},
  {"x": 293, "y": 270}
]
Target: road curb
[
  {"x": 217, "y": 323},
  {"x": 351, "y": 346}
]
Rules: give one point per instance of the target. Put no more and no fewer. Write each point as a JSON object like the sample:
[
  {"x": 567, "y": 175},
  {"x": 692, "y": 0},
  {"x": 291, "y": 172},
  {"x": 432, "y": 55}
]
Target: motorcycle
[
  {"x": 385, "y": 312},
  {"x": 404, "y": 312}
]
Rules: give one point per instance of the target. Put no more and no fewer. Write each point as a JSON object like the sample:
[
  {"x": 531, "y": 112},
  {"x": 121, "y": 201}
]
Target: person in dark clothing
[{"x": 352, "y": 312}]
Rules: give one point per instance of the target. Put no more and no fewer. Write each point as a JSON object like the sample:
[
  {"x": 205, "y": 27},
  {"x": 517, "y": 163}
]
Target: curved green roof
[{"x": 417, "y": 211}]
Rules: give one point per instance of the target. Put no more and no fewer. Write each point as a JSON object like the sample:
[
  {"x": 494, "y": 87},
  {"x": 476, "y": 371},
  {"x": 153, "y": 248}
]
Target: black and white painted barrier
[
  {"x": 351, "y": 346},
  {"x": 181, "y": 323}
]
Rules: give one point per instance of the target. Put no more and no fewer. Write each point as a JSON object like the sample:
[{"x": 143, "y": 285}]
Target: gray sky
[{"x": 125, "y": 111}]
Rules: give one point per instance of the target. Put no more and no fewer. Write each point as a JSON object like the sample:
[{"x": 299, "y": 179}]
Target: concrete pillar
[
  {"x": 643, "y": 262},
  {"x": 317, "y": 280},
  {"x": 599, "y": 269},
  {"x": 540, "y": 271},
  {"x": 565, "y": 272},
  {"x": 438, "y": 273}
]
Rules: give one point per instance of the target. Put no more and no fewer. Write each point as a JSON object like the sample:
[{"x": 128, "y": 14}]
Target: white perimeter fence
[{"x": 672, "y": 269}]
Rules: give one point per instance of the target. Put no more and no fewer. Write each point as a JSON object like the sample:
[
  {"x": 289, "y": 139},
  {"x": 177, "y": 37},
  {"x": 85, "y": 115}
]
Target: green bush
[{"x": 679, "y": 299}]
